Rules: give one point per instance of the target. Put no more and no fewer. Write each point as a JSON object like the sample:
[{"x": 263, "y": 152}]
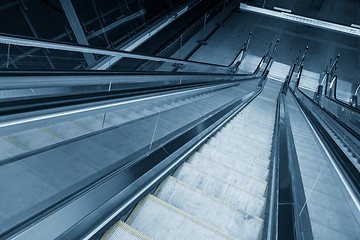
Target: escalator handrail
[
  {"x": 330, "y": 72},
  {"x": 10, "y": 39},
  {"x": 11, "y": 78},
  {"x": 124, "y": 82},
  {"x": 156, "y": 155},
  {"x": 278, "y": 224},
  {"x": 342, "y": 104},
  {"x": 348, "y": 129},
  {"x": 350, "y": 172}
]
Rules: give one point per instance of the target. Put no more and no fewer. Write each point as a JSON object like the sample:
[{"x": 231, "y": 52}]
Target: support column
[{"x": 77, "y": 29}]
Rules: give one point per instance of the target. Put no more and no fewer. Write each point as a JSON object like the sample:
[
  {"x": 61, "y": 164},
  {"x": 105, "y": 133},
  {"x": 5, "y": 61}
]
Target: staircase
[{"x": 221, "y": 191}]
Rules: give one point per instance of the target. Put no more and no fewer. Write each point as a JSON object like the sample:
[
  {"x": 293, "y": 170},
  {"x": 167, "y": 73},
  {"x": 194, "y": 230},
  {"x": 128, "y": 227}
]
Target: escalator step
[
  {"x": 244, "y": 157},
  {"x": 210, "y": 210},
  {"x": 235, "y": 163},
  {"x": 158, "y": 219},
  {"x": 122, "y": 231},
  {"x": 241, "y": 199},
  {"x": 232, "y": 176}
]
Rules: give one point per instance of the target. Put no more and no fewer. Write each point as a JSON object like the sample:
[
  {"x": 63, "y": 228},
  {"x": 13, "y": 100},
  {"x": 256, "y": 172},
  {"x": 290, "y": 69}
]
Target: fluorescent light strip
[
  {"x": 282, "y": 9},
  {"x": 303, "y": 20}
]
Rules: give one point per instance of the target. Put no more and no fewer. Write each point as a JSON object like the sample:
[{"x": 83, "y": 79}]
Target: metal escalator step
[
  {"x": 243, "y": 139},
  {"x": 249, "y": 158},
  {"x": 241, "y": 199},
  {"x": 234, "y": 177},
  {"x": 253, "y": 117},
  {"x": 122, "y": 231},
  {"x": 235, "y": 163},
  {"x": 161, "y": 220},
  {"x": 258, "y": 112},
  {"x": 261, "y": 137},
  {"x": 238, "y": 149},
  {"x": 210, "y": 210},
  {"x": 263, "y": 143},
  {"x": 250, "y": 126},
  {"x": 265, "y": 131},
  {"x": 237, "y": 145}
]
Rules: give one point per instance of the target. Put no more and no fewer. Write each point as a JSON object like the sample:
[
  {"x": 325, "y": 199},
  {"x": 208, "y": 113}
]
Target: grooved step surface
[
  {"x": 161, "y": 220},
  {"x": 234, "y": 163},
  {"x": 122, "y": 231},
  {"x": 218, "y": 188},
  {"x": 236, "y": 178},
  {"x": 209, "y": 209},
  {"x": 222, "y": 188}
]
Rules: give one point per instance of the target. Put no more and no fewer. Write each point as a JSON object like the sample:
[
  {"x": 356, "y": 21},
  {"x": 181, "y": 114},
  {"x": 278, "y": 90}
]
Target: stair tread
[
  {"x": 246, "y": 157},
  {"x": 236, "y": 164},
  {"x": 122, "y": 231},
  {"x": 209, "y": 209},
  {"x": 239, "y": 150},
  {"x": 231, "y": 176},
  {"x": 241, "y": 199},
  {"x": 161, "y": 220},
  {"x": 238, "y": 146}
]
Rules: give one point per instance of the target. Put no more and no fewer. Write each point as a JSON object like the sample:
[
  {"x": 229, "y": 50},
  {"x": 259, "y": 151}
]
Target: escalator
[
  {"x": 64, "y": 159},
  {"x": 328, "y": 210},
  {"x": 183, "y": 156},
  {"x": 228, "y": 174},
  {"x": 120, "y": 177}
]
